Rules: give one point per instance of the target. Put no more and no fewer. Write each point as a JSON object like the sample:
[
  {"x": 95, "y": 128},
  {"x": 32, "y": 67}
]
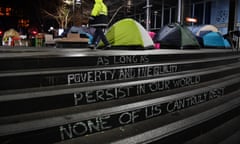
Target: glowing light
[
  {"x": 34, "y": 32},
  {"x": 193, "y": 20}
]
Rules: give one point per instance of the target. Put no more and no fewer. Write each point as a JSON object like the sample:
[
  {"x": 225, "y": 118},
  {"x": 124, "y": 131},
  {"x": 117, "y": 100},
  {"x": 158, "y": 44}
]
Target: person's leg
[
  {"x": 95, "y": 38},
  {"x": 102, "y": 36}
]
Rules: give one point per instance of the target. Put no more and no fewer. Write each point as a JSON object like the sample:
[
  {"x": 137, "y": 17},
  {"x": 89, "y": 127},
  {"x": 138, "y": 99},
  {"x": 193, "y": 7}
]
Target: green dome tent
[
  {"x": 128, "y": 34},
  {"x": 175, "y": 36}
]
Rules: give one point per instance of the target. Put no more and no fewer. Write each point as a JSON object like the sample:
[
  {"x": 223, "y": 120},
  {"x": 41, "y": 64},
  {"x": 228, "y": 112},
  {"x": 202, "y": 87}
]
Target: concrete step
[
  {"x": 227, "y": 132},
  {"x": 15, "y": 59},
  {"x": 20, "y": 79},
  {"x": 34, "y": 100},
  {"x": 214, "y": 100},
  {"x": 39, "y": 105}
]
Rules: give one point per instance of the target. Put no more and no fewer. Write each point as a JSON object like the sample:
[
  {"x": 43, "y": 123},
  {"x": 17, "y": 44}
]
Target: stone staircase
[{"x": 155, "y": 96}]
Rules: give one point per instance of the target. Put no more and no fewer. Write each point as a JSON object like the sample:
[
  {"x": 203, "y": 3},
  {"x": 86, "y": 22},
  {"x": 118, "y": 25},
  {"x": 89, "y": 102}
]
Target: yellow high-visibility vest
[{"x": 99, "y": 8}]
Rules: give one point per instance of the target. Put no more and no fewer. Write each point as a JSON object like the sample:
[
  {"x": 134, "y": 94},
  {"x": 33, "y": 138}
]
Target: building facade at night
[
  {"x": 22, "y": 15},
  {"x": 157, "y": 12},
  {"x": 215, "y": 12},
  {"x": 13, "y": 17}
]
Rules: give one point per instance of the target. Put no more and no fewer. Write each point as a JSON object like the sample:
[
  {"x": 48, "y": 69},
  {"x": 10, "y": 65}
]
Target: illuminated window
[
  {"x": 8, "y": 11},
  {"x": 1, "y": 11},
  {"x": 23, "y": 23}
]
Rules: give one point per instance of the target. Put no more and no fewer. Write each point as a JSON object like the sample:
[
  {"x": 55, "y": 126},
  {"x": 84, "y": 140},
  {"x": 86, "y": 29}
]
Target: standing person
[{"x": 99, "y": 21}]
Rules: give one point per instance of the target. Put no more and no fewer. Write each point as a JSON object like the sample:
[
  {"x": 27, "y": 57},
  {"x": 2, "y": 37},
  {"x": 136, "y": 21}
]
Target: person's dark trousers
[{"x": 99, "y": 35}]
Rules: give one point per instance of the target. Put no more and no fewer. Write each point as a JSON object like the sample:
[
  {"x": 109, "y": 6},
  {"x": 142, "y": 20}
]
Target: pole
[
  {"x": 155, "y": 19},
  {"x": 204, "y": 12},
  {"x": 231, "y": 21},
  {"x": 180, "y": 11},
  {"x": 170, "y": 15},
  {"x": 193, "y": 12},
  {"x": 162, "y": 16},
  {"x": 73, "y": 4},
  {"x": 231, "y": 17},
  {"x": 148, "y": 15}
]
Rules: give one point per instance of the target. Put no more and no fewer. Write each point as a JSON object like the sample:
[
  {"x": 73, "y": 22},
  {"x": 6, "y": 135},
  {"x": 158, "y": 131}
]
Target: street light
[{"x": 78, "y": 2}]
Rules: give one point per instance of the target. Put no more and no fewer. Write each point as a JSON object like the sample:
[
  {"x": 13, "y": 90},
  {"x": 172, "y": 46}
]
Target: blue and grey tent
[
  {"x": 83, "y": 32},
  {"x": 214, "y": 40},
  {"x": 209, "y": 36}
]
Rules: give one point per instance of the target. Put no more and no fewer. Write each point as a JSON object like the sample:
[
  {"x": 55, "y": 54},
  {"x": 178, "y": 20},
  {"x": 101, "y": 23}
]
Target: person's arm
[{"x": 95, "y": 10}]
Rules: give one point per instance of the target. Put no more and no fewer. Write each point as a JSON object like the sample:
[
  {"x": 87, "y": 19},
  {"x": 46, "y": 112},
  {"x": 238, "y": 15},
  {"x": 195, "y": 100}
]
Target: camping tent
[
  {"x": 215, "y": 40},
  {"x": 128, "y": 34},
  {"x": 209, "y": 36},
  {"x": 152, "y": 35},
  {"x": 10, "y": 36},
  {"x": 198, "y": 30},
  {"x": 83, "y": 31},
  {"x": 176, "y": 36}
]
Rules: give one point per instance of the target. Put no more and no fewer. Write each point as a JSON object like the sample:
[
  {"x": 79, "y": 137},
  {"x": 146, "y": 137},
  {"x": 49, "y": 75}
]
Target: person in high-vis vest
[{"x": 99, "y": 20}]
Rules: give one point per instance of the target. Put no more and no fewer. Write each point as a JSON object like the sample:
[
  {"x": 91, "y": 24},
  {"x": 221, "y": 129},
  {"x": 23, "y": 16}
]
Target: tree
[
  {"x": 62, "y": 15},
  {"x": 68, "y": 13}
]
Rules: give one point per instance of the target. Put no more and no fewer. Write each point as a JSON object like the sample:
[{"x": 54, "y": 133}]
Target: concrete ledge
[{"x": 72, "y": 41}]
